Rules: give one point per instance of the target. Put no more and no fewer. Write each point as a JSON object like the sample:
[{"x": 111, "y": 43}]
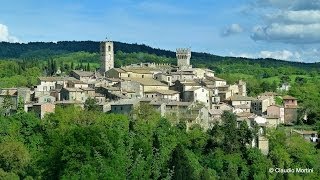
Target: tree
[
  {"x": 245, "y": 135},
  {"x": 72, "y": 66},
  {"x": 88, "y": 67},
  {"x": 285, "y": 79},
  {"x": 91, "y": 105},
  {"x": 7, "y": 104},
  {"x": 180, "y": 165},
  {"x": 14, "y": 157},
  {"x": 230, "y": 140},
  {"x": 20, "y": 107}
]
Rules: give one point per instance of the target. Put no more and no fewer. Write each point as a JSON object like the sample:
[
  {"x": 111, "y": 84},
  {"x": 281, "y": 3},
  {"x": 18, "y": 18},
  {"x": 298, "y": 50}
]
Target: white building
[{"x": 197, "y": 94}]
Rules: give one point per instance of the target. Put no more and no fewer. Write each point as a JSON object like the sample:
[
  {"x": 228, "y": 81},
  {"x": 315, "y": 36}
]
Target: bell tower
[{"x": 107, "y": 56}]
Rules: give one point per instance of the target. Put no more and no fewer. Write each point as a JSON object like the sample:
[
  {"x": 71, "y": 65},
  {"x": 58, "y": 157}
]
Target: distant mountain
[{"x": 40, "y": 49}]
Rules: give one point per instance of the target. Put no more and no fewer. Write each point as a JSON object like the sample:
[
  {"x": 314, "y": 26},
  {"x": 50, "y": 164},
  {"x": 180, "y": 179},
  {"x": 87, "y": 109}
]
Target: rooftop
[
  {"x": 119, "y": 70},
  {"x": 73, "y": 89},
  {"x": 138, "y": 70},
  {"x": 164, "y": 92},
  {"x": 10, "y": 92},
  {"x": 241, "y": 98},
  {"x": 125, "y": 102},
  {"x": 83, "y": 73},
  {"x": 146, "y": 81},
  {"x": 287, "y": 97},
  {"x": 76, "y": 81},
  {"x": 52, "y": 79}
]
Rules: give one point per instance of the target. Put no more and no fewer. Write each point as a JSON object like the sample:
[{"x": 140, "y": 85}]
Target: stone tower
[
  {"x": 107, "y": 56},
  {"x": 242, "y": 88},
  {"x": 183, "y": 56}
]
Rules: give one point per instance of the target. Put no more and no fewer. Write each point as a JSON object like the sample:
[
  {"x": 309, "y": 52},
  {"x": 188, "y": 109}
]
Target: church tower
[
  {"x": 183, "y": 56},
  {"x": 107, "y": 56}
]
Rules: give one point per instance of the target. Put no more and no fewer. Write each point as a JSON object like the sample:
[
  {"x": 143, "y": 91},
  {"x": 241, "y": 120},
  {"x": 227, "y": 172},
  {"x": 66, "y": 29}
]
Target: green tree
[
  {"x": 229, "y": 127},
  {"x": 91, "y": 105},
  {"x": 7, "y": 104},
  {"x": 14, "y": 157},
  {"x": 180, "y": 165}
]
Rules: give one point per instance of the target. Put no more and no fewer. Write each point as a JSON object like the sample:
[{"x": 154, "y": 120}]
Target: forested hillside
[{"x": 47, "y": 49}]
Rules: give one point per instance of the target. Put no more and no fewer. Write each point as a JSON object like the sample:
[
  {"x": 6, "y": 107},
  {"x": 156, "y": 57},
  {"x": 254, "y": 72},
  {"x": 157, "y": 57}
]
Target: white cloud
[
  {"x": 296, "y": 17},
  {"x": 294, "y": 22},
  {"x": 288, "y": 33},
  {"x": 290, "y": 4},
  {"x": 282, "y": 55},
  {"x": 232, "y": 29},
  {"x": 5, "y": 35}
]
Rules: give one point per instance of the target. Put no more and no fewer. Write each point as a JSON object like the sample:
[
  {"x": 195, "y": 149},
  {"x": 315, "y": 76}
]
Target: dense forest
[{"x": 86, "y": 144}]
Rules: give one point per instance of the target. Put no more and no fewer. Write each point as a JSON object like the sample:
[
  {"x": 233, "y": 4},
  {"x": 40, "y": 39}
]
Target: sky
[{"x": 281, "y": 29}]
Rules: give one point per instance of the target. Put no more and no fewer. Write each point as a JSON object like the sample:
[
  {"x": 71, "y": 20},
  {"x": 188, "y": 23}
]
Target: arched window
[{"x": 109, "y": 48}]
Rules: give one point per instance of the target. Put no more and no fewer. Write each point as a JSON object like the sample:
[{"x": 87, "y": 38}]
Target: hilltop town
[{"x": 187, "y": 93}]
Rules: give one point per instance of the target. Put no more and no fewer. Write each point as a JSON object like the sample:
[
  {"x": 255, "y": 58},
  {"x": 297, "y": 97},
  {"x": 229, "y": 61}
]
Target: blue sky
[{"x": 280, "y": 29}]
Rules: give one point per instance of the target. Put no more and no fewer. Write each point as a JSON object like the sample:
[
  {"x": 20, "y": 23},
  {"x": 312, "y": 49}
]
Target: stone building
[
  {"x": 41, "y": 109},
  {"x": 290, "y": 102},
  {"x": 276, "y": 111},
  {"x": 73, "y": 94},
  {"x": 290, "y": 109},
  {"x": 260, "y": 105},
  {"x": 163, "y": 94},
  {"x": 241, "y": 100},
  {"x": 124, "y": 106},
  {"x": 183, "y": 56}
]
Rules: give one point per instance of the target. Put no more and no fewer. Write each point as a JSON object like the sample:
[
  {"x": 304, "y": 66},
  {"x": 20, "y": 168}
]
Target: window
[
  {"x": 128, "y": 75},
  {"x": 142, "y": 76},
  {"x": 121, "y": 108},
  {"x": 168, "y": 78},
  {"x": 202, "y": 90},
  {"x": 109, "y": 48}
]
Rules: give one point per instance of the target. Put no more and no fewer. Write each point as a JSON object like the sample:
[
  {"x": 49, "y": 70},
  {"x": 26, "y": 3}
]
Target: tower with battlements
[
  {"x": 107, "y": 56},
  {"x": 183, "y": 56}
]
